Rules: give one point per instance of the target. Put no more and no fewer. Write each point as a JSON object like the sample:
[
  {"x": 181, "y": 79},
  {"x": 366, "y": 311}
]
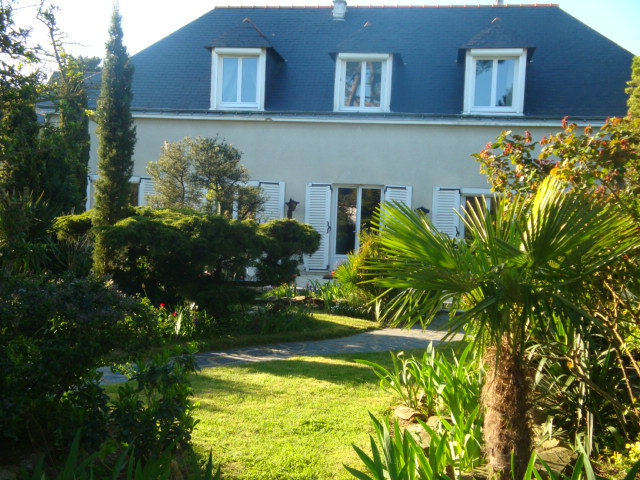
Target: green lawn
[
  {"x": 324, "y": 325},
  {"x": 288, "y": 419}
]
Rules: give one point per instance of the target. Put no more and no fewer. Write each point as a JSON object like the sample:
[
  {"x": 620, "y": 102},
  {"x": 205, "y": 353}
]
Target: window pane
[
  {"x": 482, "y": 97},
  {"x": 229, "y": 79},
  {"x": 249, "y": 79},
  {"x": 369, "y": 202},
  {"x": 504, "y": 86},
  {"x": 347, "y": 214},
  {"x": 352, "y": 84},
  {"x": 374, "y": 84}
]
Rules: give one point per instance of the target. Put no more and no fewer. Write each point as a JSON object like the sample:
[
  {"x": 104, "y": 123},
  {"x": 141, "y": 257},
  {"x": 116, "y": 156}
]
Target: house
[{"x": 343, "y": 107}]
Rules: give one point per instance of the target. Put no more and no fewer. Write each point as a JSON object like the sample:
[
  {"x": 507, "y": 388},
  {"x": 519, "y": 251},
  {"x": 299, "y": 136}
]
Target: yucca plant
[{"x": 525, "y": 264}]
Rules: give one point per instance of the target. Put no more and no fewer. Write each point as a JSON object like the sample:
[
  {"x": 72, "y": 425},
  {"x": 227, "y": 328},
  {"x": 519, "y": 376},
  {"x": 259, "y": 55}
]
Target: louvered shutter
[
  {"x": 398, "y": 193},
  {"x": 318, "y": 214},
  {"x": 146, "y": 187},
  {"x": 273, "y": 207},
  {"x": 446, "y": 201}
]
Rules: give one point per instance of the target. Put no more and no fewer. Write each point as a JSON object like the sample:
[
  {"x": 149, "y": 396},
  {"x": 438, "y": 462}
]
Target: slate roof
[
  {"x": 575, "y": 71},
  {"x": 243, "y": 35}
]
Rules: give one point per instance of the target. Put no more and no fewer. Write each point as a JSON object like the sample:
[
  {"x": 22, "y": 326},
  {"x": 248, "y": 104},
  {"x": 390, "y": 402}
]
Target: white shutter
[
  {"x": 87, "y": 205},
  {"x": 273, "y": 207},
  {"x": 146, "y": 187},
  {"x": 398, "y": 193},
  {"x": 91, "y": 201},
  {"x": 445, "y": 202},
  {"x": 318, "y": 214}
]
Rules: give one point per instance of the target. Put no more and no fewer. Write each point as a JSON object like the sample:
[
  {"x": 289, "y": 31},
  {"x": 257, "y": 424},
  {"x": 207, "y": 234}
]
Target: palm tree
[{"x": 518, "y": 279}]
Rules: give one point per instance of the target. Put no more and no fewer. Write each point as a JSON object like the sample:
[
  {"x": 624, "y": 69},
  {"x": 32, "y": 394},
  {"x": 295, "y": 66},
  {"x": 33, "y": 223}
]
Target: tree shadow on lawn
[{"x": 352, "y": 374}]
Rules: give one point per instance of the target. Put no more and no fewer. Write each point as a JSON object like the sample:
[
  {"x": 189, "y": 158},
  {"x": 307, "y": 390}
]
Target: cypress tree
[{"x": 116, "y": 131}]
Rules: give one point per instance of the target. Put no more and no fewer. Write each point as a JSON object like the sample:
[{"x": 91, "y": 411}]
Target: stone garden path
[{"x": 374, "y": 341}]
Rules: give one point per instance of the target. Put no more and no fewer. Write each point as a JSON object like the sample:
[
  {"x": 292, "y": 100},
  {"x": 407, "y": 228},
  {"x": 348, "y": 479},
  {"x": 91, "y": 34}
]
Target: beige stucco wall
[{"x": 422, "y": 156}]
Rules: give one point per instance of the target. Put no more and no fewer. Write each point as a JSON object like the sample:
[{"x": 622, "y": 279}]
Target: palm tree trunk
[{"x": 507, "y": 426}]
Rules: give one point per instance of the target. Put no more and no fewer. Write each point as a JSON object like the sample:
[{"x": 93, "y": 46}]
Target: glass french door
[{"x": 354, "y": 208}]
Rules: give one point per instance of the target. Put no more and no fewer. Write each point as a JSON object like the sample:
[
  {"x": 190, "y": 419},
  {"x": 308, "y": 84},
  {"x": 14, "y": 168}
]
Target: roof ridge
[{"x": 514, "y": 5}]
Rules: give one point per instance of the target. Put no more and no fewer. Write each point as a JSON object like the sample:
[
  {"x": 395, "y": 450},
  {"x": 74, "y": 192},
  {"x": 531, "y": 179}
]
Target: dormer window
[
  {"x": 494, "y": 81},
  {"x": 363, "y": 82},
  {"x": 237, "y": 81}
]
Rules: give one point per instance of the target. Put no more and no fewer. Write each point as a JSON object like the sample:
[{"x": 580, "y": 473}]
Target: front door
[{"x": 353, "y": 213}]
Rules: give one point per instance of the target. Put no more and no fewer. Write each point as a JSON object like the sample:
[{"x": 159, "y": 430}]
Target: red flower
[
  {"x": 175, "y": 314},
  {"x": 162, "y": 305},
  {"x": 564, "y": 121}
]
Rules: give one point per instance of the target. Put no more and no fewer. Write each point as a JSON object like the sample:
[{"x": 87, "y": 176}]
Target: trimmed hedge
[{"x": 173, "y": 256}]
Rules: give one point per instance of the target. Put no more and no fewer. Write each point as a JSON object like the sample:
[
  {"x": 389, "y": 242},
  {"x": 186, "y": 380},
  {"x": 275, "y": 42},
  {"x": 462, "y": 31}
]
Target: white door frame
[{"x": 334, "y": 258}]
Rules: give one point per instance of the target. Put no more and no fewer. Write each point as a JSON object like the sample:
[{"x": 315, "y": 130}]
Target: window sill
[
  {"x": 494, "y": 113},
  {"x": 362, "y": 110},
  {"x": 243, "y": 108}
]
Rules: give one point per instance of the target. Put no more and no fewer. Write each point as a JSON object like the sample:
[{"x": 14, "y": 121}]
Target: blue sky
[{"x": 146, "y": 21}]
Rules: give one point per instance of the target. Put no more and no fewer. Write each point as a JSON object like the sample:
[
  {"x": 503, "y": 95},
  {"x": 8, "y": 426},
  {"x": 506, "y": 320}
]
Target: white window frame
[
  {"x": 335, "y": 258},
  {"x": 219, "y": 54},
  {"x": 495, "y": 54},
  {"x": 465, "y": 194},
  {"x": 340, "y": 79}
]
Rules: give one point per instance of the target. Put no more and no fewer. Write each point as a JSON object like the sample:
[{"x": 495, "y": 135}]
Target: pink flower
[
  {"x": 564, "y": 121},
  {"x": 175, "y": 314}
]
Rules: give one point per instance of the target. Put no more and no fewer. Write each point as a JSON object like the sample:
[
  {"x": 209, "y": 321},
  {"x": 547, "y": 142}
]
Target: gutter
[{"x": 382, "y": 119}]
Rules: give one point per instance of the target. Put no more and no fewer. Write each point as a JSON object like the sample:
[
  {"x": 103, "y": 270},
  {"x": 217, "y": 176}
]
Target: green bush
[
  {"x": 53, "y": 334},
  {"x": 175, "y": 257},
  {"x": 154, "y": 412},
  {"x": 73, "y": 227},
  {"x": 284, "y": 243},
  {"x": 363, "y": 298},
  {"x": 266, "y": 320},
  {"x": 25, "y": 220}
]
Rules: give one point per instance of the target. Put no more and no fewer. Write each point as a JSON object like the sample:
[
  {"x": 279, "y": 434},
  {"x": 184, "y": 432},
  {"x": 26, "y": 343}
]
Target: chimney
[{"x": 339, "y": 9}]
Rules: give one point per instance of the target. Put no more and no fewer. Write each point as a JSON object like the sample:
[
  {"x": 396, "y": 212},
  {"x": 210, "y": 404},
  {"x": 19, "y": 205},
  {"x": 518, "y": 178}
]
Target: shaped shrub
[
  {"x": 284, "y": 243},
  {"x": 173, "y": 256}
]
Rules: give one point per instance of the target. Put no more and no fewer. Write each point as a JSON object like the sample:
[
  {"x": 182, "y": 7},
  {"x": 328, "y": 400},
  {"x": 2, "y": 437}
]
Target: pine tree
[
  {"x": 116, "y": 131},
  {"x": 633, "y": 90}
]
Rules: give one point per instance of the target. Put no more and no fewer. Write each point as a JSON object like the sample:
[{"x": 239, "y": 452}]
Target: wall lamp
[{"x": 291, "y": 206}]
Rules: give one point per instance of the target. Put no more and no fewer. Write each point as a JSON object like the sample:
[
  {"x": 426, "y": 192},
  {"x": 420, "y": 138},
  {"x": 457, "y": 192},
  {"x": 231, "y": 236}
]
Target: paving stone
[{"x": 382, "y": 340}]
